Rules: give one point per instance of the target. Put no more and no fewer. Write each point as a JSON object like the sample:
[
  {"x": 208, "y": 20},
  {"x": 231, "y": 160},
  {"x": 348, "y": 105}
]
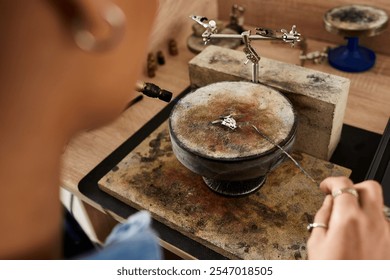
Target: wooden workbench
[{"x": 368, "y": 107}]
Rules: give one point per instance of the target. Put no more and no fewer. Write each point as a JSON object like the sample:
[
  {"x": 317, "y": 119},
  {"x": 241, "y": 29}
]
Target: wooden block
[{"x": 319, "y": 98}]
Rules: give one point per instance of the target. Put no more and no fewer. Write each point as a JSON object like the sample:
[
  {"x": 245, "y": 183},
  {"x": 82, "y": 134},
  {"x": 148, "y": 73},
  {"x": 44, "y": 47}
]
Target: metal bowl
[{"x": 232, "y": 161}]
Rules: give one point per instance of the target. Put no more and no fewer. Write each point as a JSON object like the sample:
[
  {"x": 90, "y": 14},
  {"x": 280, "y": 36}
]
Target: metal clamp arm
[
  {"x": 291, "y": 37},
  {"x": 250, "y": 52},
  {"x": 251, "y": 55},
  {"x": 262, "y": 34},
  {"x": 210, "y": 26}
]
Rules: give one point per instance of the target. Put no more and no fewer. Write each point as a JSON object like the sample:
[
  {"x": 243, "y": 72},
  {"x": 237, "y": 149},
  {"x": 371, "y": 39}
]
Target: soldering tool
[{"x": 154, "y": 91}]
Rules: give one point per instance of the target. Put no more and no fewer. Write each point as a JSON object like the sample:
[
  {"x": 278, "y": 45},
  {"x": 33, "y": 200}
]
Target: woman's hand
[{"x": 350, "y": 223}]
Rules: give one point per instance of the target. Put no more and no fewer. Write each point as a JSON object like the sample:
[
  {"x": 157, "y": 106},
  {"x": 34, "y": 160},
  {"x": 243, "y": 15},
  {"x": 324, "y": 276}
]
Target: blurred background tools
[{"x": 353, "y": 22}]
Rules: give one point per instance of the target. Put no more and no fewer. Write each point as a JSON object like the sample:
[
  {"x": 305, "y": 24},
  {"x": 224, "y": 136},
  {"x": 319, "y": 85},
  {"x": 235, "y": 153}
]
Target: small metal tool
[
  {"x": 286, "y": 153},
  {"x": 204, "y": 21},
  {"x": 151, "y": 90}
]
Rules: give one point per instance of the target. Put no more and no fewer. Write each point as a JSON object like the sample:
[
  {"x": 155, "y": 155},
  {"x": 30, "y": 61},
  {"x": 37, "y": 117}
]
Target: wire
[{"x": 287, "y": 154}]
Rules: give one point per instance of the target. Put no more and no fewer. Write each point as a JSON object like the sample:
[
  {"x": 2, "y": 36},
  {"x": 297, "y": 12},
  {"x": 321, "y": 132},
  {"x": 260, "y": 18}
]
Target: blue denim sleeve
[{"x": 132, "y": 240}]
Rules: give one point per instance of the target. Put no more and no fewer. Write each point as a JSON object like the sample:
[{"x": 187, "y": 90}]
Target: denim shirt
[{"x": 131, "y": 240}]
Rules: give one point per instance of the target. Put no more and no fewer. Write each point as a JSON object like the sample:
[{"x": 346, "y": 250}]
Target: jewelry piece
[
  {"x": 316, "y": 225},
  {"x": 227, "y": 121},
  {"x": 86, "y": 41},
  {"x": 336, "y": 193}
]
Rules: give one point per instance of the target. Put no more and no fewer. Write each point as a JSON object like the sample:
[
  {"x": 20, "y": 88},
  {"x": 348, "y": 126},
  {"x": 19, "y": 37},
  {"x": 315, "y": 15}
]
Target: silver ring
[
  {"x": 227, "y": 121},
  {"x": 316, "y": 225},
  {"x": 336, "y": 193}
]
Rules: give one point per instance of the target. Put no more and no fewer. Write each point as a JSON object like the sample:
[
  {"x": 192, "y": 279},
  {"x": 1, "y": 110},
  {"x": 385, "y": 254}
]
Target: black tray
[{"x": 355, "y": 151}]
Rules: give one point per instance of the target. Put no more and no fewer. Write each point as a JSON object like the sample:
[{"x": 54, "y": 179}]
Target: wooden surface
[
  {"x": 368, "y": 107},
  {"x": 269, "y": 224}
]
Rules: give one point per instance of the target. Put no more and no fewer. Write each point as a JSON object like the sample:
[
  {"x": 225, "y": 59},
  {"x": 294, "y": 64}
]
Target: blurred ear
[{"x": 95, "y": 24}]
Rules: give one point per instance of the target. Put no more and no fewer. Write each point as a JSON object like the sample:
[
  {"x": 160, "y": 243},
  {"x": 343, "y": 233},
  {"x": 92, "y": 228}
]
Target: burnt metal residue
[
  {"x": 155, "y": 148},
  {"x": 222, "y": 58},
  {"x": 307, "y": 218},
  {"x": 329, "y": 165},
  {"x": 353, "y": 15},
  {"x": 297, "y": 255},
  {"x": 356, "y": 20},
  {"x": 249, "y": 104},
  {"x": 316, "y": 78},
  {"x": 276, "y": 217},
  {"x": 115, "y": 168},
  {"x": 319, "y": 85},
  {"x": 297, "y": 250},
  {"x": 243, "y": 246}
]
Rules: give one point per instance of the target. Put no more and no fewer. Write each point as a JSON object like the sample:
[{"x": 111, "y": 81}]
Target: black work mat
[{"x": 356, "y": 151}]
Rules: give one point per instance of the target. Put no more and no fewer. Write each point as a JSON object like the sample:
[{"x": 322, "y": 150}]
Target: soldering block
[{"x": 319, "y": 98}]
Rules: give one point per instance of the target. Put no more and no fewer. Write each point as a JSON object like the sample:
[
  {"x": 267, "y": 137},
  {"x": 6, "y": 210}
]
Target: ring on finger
[
  {"x": 352, "y": 191},
  {"x": 316, "y": 225}
]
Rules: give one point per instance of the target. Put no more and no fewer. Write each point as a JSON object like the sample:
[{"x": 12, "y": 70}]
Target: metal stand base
[
  {"x": 352, "y": 57},
  {"x": 235, "y": 188}
]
